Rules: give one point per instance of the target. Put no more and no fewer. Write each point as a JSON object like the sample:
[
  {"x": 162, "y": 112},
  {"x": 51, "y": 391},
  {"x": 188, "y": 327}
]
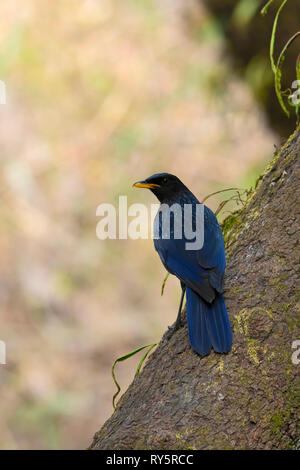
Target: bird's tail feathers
[{"x": 208, "y": 324}]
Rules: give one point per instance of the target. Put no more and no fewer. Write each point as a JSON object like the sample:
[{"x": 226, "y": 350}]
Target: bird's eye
[{"x": 165, "y": 180}]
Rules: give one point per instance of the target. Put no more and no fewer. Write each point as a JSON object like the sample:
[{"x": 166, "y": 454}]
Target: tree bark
[{"x": 248, "y": 398}]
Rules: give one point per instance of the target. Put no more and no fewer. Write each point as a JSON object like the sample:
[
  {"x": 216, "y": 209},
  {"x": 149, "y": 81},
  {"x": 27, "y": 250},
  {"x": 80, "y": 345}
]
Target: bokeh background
[{"x": 101, "y": 93}]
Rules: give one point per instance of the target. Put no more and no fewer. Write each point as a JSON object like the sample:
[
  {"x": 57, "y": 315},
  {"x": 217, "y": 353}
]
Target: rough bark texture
[{"x": 248, "y": 398}]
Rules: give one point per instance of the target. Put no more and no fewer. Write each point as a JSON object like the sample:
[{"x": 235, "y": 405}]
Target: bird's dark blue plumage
[{"x": 200, "y": 271}]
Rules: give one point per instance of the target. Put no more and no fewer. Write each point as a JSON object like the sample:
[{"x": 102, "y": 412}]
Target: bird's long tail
[{"x": 208, "y": 324}]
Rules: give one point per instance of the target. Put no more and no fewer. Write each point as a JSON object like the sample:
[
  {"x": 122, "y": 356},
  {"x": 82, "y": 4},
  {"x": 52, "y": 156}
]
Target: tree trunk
[{"x": 248, "y": 398}]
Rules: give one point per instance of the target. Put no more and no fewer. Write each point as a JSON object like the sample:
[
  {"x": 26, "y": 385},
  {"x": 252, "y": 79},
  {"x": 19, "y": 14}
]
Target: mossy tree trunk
[{"x": 248, "y": 398}]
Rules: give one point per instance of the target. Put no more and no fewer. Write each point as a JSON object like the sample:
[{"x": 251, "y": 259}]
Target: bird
[{"x": 200, "y": 270}]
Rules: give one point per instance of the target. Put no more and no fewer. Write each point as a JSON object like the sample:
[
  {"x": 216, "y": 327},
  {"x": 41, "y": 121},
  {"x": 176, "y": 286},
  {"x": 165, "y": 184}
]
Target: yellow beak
[{"x": 141, "y": 184}]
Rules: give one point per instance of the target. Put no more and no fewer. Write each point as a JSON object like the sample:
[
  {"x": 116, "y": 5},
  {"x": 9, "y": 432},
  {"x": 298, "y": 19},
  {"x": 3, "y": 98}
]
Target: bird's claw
[
  {"x": 172, "y": 329},
  {"x": 170, "y": 332}
]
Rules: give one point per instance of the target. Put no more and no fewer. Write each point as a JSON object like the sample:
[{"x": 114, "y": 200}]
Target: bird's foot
[{"x": 172, "y": 329}]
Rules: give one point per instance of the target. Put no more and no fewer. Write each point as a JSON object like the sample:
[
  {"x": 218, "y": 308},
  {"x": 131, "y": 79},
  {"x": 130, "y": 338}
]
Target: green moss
[
  {"x": 221, "y": 365},
  {"x": 184, "y": 438},
  {"x": 234, "y": 220},
  {"x": 236, "y": 290},
  {"x": 272, "y": 355},
  {"x": 252, "y": 349},
  {"x": 276, "y": 156},
  {"x": 277, "y": 421},
  {"x": 229, "y": 222},
  {"x": 241, "y": 325},
  {"x": 241, "y": 322}
]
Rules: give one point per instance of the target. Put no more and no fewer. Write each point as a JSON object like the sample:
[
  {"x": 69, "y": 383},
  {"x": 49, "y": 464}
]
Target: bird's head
[{"x": 164, "y": 185}]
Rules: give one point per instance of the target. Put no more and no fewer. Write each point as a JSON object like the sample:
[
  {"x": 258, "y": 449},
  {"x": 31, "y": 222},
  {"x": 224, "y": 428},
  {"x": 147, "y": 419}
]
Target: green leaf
[
  {"x": 144, "y": 357},
  {"x": 277, "y": 67},
  {"x": 218, "y": 192},
  {"x": 278, "y": 73},
  {"x": 264, "y": 10},
  {"x": 164, "y": 283},
  {"x": 273, "y": 37},
  {"x": 123, "y": 358},
  {"x": 298, "y": 78}
]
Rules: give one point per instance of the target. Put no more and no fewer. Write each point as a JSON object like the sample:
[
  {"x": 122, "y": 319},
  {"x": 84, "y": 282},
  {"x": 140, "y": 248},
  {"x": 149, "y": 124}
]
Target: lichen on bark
[{"x": 249, "y": 398}]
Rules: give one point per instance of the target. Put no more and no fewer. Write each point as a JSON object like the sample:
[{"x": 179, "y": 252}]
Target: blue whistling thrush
[{"x": 200, "y": 271}]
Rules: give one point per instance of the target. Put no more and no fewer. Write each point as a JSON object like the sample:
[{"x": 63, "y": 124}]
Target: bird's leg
[
  {"x": 177, "y": 325},
  {"x": 178, "y": 319}
]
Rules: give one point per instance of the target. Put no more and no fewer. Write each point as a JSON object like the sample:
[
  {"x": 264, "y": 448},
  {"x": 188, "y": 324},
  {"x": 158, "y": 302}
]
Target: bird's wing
[
  {"x": 201, "y": 270},
  {"x": 212, "y": 255},
  {"x": 180, "y": 263}
]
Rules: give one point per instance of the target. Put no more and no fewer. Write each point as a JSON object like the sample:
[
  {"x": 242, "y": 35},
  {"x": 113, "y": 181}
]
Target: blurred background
[{"x": 100, "y": 94}]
